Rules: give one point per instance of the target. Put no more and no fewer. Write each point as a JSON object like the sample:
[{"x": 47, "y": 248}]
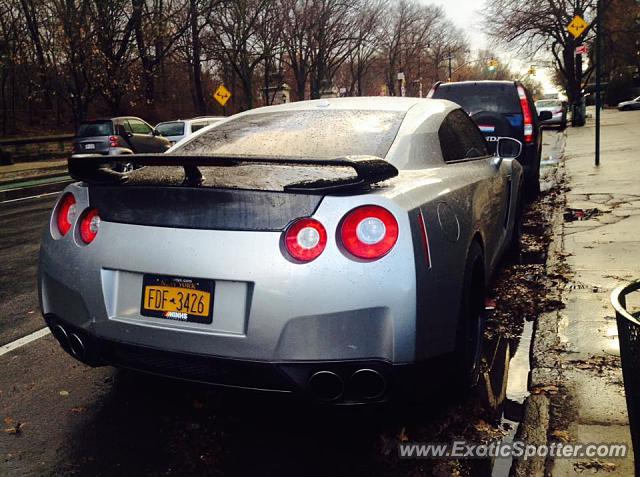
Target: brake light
[
  {"x": 66, "y": 213},
  {"x": 526, "y": 113},
  {"x": 369, "y": 232},
  {"x": 89, "y": 225},
  {"x": 305, "y": 239},
  {"x": 114, "y": 141}
]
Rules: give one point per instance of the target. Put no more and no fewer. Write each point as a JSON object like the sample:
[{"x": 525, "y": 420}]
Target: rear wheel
[
  {"x": 513, "y": 248},
  {"x": 466, "y": 360}
]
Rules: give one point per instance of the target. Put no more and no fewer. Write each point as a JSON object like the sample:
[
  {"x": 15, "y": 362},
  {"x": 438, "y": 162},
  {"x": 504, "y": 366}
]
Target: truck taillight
[
  {"x": 369, "y": 232},
  {"x": 66, "y": 213},
  {"x": 526, "y": 113}
]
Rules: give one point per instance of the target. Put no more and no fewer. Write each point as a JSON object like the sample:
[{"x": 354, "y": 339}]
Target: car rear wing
[{"x": 369, "y": 170}]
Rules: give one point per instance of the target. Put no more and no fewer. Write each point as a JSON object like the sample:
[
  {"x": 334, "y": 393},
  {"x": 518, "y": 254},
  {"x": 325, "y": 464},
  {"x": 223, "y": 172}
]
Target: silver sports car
[{"x": 328, "y": 248}]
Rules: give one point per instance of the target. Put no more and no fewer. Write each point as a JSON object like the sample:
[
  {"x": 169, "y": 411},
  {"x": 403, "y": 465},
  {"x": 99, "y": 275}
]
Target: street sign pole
[{"x": 598, "y": 61}]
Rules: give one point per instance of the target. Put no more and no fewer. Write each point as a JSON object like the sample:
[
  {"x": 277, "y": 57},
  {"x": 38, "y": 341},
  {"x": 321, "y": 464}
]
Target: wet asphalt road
[{"x": 74, "y": 420}]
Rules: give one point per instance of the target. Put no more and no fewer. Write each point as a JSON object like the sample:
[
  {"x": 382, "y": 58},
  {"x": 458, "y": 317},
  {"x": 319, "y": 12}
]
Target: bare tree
[
  {"x": 235, "y": 25},
  {"x": 541, "y": 25}
]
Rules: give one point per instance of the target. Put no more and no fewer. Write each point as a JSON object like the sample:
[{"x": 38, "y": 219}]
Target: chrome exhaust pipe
[
  {"x": 77, "y": 347},
  {"x": 60, "y": 334},
  {"x": 368, "y": 383},
  {"x": 326, "y": 385}
]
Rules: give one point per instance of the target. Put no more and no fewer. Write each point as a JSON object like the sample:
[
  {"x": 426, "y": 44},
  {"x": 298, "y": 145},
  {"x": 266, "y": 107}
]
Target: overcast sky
[{"x": 467, "y": 14}]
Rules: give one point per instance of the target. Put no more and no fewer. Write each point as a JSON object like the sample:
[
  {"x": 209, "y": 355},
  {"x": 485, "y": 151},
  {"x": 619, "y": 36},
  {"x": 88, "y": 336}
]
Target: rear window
[
  {"x": 475, "y": 97},
  {"x": 317, "y": 134},
  {"x": 548, "y": 103},
  {"x": 95, "y": 128},
  {"x": 175, "y": 128},
  {"x": 197, "y": 126}
]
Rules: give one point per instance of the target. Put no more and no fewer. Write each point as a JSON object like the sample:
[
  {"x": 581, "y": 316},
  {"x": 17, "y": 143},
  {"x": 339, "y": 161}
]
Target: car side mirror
[
  {"x": 544, "y": 115},
  {"x": 155, "y": 132},
  {"x": 508, "y": 148}
]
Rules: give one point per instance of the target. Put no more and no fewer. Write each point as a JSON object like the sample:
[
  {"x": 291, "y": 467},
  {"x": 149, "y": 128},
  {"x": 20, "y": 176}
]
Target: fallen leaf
[
  {"x": 78, "y": 409},
  {"x": 594, "y": 464},
  {"x": 403, "y": 437},
  {"x": 15, "y": 430},
  {"x": 64, "y": 393},
  {"x": 561, "y": 436},
  {"x": 545, "y": 390}
]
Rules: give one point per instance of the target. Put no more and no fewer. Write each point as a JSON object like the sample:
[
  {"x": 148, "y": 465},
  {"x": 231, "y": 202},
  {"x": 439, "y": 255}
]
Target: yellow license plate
[{"x": 177, "y": 298}]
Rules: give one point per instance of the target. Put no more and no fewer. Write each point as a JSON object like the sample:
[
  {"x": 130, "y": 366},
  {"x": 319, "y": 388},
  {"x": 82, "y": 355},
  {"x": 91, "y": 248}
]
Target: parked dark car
[
  {"x": 630, "y": 105},
  {"x": 117, "y": 136},
  {"x": 502, "y": 109}
]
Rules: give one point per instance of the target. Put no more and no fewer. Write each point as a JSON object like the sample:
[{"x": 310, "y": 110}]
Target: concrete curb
[{"x": 544, "y": 372}]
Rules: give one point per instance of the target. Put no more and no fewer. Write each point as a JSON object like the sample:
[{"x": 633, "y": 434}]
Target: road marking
[
  {"x": 24, "y": 340},
  {"x": 30, "y": 197}
]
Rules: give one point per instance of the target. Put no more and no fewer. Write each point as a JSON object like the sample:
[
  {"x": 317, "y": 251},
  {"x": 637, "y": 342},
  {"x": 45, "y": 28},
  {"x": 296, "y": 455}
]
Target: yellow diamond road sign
[
  {"x": 222, "y": 95},
  {"x": 577, "y": 26}
]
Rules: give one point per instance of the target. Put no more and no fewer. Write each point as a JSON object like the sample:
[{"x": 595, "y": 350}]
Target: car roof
[
  {"x": 431, "y": 111},
  {"x": 482, "y": 82}
]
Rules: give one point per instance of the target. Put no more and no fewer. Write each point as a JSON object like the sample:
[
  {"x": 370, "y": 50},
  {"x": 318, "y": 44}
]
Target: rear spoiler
[{"x": 96, "y": 169}]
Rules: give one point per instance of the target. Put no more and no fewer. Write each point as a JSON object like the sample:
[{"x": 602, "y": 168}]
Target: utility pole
[{"x": 598, "y": 72}]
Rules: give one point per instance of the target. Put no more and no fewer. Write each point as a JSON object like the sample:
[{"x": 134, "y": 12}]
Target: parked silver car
[
  {"x": 558, "y": 110},
  {"x": 177, "y": 130},
  {"x": 331, "y": 248}
]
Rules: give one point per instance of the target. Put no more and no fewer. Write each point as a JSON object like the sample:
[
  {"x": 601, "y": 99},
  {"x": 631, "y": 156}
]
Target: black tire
[
  {"x": 466, "y": 359},
  {"x": 512, "y": 253}
]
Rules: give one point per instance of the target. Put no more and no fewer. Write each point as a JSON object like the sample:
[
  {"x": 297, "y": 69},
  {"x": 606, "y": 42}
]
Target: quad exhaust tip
[
  {"x": 368, "y": 383},
  {"x": 70, "y": 342},
  {"x": 326, "y": 386}
]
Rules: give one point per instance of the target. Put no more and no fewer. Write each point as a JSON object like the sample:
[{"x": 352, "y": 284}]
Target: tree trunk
[{"x": 196, "y": 47}]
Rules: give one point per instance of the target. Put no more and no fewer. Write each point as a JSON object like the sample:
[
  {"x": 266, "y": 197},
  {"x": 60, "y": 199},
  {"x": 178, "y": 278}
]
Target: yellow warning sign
[
  {"x": 577, "y": 26},
  {"x": 222, "y": 95}
]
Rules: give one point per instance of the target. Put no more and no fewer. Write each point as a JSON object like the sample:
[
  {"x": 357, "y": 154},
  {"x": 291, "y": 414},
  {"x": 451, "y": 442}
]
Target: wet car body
[{"x": 341, "y": 327}]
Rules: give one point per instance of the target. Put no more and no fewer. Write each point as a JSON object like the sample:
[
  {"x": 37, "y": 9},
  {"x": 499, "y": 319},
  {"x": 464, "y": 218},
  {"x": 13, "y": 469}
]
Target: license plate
[
  {"x": 89, "y": 146},
  {"x": 177, "y": 298}
]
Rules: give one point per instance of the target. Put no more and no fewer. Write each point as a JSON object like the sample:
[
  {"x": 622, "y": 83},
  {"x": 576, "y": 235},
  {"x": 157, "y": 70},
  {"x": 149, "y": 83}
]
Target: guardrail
[
  {"x": 629, "y": 336},
  {"x": 35, "y": 148}
]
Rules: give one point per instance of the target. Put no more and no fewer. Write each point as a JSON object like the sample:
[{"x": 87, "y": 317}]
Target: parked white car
[
  {"x": 174, "y": 131},
  {"x": 629, "y": 105}
]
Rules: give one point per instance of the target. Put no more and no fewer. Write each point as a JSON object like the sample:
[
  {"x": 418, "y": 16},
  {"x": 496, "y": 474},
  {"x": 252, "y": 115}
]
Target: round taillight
[
  {"x": 89, "y": 225},
  {"x": 305, "y": 239},
  {"x": 66, "y": 213},
  {"x": 369, "y": 232}
]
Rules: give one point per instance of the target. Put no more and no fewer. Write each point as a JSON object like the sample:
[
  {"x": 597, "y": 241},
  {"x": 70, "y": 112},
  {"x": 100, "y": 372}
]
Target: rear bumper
[{"x": 341, "y": 382}]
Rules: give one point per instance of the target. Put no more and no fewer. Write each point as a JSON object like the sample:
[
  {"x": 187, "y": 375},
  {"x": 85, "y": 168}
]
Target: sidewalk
[{"x": 575, "y": 354}]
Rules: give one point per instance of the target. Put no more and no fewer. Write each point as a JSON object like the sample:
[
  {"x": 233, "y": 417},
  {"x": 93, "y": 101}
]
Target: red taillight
[
  {"x": 305, "y": 239},
  {"x": 369, "y": 232},
  {"x": 89, "y": 225},
  {"x": 526, "y": 113},
  {"x": 114, "y": 141},
  {"x": 66, "y": 213}
]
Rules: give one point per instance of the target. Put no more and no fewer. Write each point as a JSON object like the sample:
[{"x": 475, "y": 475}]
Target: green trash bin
[{"x": 629, "y": 336}]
